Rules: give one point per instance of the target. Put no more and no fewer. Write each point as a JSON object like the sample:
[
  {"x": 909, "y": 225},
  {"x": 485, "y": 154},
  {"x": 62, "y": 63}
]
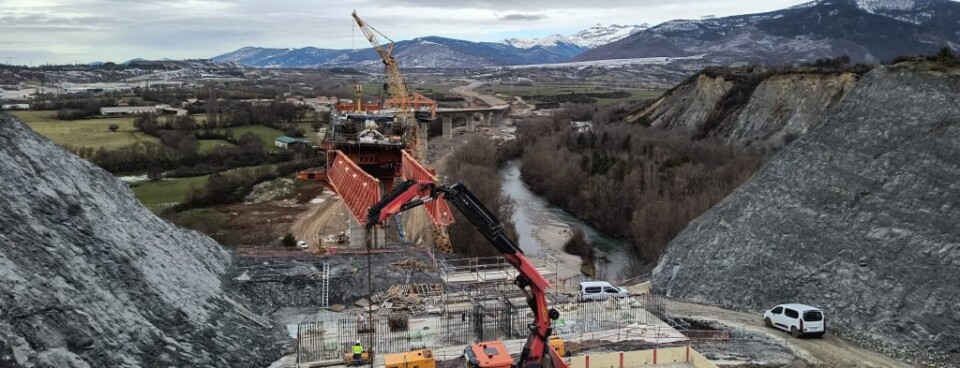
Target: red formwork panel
[
  {"x": 358, "y": 189},
  {"x": 438, "y": 210}
]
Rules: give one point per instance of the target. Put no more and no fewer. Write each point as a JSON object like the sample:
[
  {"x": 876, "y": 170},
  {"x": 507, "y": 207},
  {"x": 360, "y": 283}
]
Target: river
[{"x": 541, "y": 225}]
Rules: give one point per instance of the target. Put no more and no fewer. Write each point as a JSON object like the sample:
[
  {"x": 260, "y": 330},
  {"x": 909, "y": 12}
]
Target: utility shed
[{"x": 286, "y": 142}]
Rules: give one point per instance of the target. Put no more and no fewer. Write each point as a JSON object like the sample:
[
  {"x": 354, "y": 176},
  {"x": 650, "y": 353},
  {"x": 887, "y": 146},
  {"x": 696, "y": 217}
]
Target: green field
[
  {"x": 267, "y": 134},
  {"x": 207, "y": 145},
  {"x": 372, "y": 91},
  {"x": 153, "y": 194},
  {"x": 540, "y": 92},
  {"x": 84, "y": 132}
]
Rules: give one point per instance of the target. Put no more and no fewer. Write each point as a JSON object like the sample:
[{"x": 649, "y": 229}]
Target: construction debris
[
  {"x": 415, "y": 299},
  {"x": 337, "y": 307},
  {"x": 411, "y": 264}
]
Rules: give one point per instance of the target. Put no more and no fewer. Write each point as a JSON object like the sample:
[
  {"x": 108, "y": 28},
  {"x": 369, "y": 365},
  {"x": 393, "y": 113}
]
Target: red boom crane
[{"x": 537, "y": 351}]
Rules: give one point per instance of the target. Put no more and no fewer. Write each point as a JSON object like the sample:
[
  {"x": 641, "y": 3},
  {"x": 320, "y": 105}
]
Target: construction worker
[{"x": 358, "y": 353}]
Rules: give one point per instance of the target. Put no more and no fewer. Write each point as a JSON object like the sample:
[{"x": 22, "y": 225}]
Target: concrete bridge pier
[
  {"x": 448, "y": 127},
  {"x": 358, "y": 235},
  {"x": 424, "y": 136},
  {"x": 471, "y": 123}
]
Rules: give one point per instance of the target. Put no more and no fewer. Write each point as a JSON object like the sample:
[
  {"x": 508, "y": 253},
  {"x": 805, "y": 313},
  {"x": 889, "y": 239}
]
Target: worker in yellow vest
[{"x": 358, "y": 353}]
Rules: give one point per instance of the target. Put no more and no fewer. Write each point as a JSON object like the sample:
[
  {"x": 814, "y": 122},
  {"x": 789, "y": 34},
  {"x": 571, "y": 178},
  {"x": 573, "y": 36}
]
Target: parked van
[
  {"x": 601, "y": 290},
  {"x": 798, "y": 319}
]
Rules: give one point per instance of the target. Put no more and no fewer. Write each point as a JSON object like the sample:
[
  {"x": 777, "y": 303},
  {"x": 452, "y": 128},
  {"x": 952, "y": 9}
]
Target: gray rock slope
[
  {"x": 90, "y": 278},
  {"x": 778, "y": 107},
  {"x": 861, "y": 217}
]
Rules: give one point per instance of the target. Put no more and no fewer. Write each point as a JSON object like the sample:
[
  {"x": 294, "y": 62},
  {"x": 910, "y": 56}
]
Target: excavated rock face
[
  {"x": 748, "y": 109},
  {"x": 686, "y": 107},
  {"x": 859, "y": 217},
  {"x": 784, "y": 107},
  {"x": 90, "y": 278}
]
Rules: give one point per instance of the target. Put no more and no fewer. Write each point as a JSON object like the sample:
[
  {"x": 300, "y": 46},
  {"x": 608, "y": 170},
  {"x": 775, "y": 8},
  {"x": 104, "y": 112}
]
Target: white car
[
  {"x": 601, "y": 290},
  {"x": 798, "y": 319}
]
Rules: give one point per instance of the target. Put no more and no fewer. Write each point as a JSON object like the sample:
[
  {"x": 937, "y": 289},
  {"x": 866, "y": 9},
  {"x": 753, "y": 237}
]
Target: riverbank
[{"x": 543, "y": 227}]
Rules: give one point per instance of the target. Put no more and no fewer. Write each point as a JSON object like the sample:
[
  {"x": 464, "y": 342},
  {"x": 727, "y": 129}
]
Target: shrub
[{"x": 289, "y": 240}]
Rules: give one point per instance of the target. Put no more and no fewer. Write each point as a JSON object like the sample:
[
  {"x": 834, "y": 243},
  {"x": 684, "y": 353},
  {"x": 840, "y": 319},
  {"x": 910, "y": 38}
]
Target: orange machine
[
  {"x": 422, "y": 358},
  {"x": 490, "y": 354}
]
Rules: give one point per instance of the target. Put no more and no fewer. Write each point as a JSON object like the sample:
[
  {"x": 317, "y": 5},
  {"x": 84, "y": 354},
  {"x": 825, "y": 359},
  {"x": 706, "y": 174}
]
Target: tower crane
[{"x": 396, "y": 86}]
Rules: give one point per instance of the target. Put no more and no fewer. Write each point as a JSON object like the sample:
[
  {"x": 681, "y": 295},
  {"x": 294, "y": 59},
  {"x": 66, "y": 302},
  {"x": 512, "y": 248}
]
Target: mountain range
[
  {"x": 440, "y": 52},
  {"x": 865, "y": 30}
]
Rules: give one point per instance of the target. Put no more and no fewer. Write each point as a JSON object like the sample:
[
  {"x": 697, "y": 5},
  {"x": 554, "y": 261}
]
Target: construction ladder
[{"x": 325, "y": 288}]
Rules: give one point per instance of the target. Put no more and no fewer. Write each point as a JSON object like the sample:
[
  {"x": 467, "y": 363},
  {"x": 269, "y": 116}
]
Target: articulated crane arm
[{"x": 537, "y": 352}]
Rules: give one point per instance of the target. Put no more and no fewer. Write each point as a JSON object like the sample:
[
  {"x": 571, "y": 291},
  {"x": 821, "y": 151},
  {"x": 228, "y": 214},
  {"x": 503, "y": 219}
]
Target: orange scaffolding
[
  {"x": 438, "y": 210},
  {"x": 358, "y": 189}
]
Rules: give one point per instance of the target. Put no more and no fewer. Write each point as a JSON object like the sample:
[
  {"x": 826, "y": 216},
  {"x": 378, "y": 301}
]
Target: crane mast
[{"x": 397, "y": 87}]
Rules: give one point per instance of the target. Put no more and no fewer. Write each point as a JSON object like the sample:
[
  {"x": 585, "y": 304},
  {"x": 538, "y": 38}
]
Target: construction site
[{"x": 375, "y": 280}]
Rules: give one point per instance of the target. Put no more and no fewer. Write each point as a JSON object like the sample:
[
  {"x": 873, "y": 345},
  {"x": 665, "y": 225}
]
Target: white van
[
  {"x": 601, "y": 290},
  {"x": 798, "y": 319}
]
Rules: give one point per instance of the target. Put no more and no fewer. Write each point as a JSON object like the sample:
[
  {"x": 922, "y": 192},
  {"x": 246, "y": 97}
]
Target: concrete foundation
[{"x": 448, "y": 127}]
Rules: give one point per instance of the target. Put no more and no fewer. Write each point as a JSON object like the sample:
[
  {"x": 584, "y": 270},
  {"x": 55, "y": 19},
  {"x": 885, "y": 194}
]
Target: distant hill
[
  {"x": 427, "y": 52},
  {"x": 441, "y": 52},
  {"x": 865, "y": 30}
]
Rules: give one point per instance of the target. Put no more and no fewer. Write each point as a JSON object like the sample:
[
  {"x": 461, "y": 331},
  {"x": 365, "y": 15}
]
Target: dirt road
[
  {"x": 467, "y": 91},
  {"x": 828, "y": 351},
  {"x": 327, "y": 216}
]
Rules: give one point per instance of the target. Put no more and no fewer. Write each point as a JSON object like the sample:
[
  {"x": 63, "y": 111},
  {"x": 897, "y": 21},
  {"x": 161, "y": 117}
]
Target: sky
[{"x": 68, "y": 31}]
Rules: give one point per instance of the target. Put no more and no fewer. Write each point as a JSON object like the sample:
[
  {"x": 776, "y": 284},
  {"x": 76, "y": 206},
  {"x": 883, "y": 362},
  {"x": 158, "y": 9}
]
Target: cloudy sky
[{"x": 65, "y": 31}]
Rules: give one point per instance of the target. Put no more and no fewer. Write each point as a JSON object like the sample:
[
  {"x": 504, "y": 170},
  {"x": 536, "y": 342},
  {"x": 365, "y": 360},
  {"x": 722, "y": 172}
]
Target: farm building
[{"x": 286, "y": 142}]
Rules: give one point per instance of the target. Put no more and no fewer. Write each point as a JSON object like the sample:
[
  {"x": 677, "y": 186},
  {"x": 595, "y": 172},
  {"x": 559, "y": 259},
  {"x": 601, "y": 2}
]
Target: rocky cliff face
[
  {"x": 90, "y": 278},
  {"x": 747, "y": 108},
  {"x": 858, "y": 217},
  {"x": 784, "y": 107},
  {"x": 687, "y": 106}
]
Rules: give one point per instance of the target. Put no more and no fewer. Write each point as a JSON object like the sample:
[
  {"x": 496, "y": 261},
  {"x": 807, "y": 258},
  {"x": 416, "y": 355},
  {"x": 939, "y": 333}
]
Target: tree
[
  {"x": 289, "y": 240},
  {"x": 945, "y": 53},
  {"x": 113, "y": 128}
]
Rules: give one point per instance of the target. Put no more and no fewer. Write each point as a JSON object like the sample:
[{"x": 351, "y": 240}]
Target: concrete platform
[{"x": 498, "y": 274}]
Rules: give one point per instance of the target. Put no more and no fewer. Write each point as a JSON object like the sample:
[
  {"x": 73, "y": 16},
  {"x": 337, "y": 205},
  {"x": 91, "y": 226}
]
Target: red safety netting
[
  {"x": 438, "y": 210},
  {"x": 358, "y": 189}
]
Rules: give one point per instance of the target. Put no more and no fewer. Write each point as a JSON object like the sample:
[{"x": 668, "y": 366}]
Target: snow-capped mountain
[
  {"x": 588, "y": 38},
  {"x": 528, "y": 43},
  {"x": 865, "y": 30},
  {"x": 601, "y": 35},
  {"x": 913, "y": 11}
]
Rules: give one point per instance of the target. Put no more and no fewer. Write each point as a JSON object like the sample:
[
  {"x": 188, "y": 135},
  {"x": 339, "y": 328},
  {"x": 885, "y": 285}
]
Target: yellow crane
[{"x": 396, "y": 86}]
